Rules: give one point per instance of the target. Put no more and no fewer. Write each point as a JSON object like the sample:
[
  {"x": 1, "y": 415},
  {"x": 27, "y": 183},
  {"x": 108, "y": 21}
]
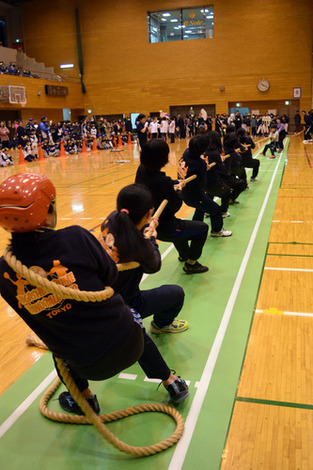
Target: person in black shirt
[
  {"x": 96, "y": 340},
  {"x": 125, "y": 237},
  {"x": 142, "y": 130},
  {"x": 236, "y": 174},
  {"x": 247, "y": 160},
  {"x": 154, "y": 156},
  {"x": 22, "y": 137},
  {"x": 237, "y": 120}
]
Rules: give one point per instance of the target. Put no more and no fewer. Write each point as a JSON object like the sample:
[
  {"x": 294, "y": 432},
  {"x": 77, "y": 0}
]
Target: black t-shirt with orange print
[{"x": 75, "y": 331}]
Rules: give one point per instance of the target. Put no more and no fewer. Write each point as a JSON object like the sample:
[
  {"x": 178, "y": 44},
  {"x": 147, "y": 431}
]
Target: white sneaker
[
  {"x": 254, "y": 179},
  {"x": 305, "y": 142},
  {"x": 225, "y": 214},
  {"x": 222, "y": 233}
]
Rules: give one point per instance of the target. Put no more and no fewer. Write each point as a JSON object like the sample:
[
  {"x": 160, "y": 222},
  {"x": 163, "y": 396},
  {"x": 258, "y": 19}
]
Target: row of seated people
[{"x": 14, "y": 69}]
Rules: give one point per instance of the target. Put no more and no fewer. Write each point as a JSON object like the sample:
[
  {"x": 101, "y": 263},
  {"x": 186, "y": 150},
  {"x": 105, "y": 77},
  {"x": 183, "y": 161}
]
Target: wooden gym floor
[{"x": 246, "y": 354}]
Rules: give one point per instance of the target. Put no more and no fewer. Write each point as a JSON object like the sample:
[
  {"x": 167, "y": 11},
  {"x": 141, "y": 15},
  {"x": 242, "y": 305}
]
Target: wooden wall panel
[
  {"x": 38, "y": 103},
  {"x": 124, "y": 73}
]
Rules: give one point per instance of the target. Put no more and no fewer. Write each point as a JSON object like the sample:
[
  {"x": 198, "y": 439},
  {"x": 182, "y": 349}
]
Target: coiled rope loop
[{"x": 91, "y": 417}]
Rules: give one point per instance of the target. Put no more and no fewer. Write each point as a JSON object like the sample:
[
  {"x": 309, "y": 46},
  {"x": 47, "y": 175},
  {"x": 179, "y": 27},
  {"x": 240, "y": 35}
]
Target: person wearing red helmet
[{"x": 95, "y": 340}]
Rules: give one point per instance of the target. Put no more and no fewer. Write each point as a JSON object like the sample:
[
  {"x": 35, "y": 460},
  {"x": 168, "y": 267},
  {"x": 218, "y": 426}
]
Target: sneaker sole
[
  {"x": 159, "y": 332},
  {"x": 196, "y": 272},
  {"x": 176, "y": 401}
]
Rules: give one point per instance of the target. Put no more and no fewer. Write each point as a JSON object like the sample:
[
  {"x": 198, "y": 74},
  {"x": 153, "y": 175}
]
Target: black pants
[
  {"x": 253, "y": 163},
  {"x": 138, "y": 347},
  {"x": 271, "y": 146},
  {"x": 163, "y": 302},
  {"x": 205, "y": 205},
  {"x": 220, "y": 190},
  {"x": 180, "y": 232},
  {"x": 236, "y": 183},
  {"x": 281, "y": 137},
  {"x": 307, "y": 132}
]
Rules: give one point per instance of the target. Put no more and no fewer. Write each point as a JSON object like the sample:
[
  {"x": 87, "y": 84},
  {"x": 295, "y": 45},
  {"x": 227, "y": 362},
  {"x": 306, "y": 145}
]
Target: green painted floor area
[{"x": 217, "y": 303}]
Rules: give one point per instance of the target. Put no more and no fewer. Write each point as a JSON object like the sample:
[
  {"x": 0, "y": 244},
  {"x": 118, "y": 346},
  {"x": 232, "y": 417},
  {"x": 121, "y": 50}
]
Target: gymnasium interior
[{"x": 247, "y": 355}]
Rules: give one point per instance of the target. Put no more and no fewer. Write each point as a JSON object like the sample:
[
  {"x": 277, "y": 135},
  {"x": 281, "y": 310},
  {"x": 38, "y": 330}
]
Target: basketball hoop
[{"x": 17, "y": 95}]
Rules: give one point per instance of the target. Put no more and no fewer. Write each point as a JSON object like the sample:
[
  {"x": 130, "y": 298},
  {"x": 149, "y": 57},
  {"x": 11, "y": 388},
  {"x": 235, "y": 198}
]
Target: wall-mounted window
[{"x": 182, "y": 24}]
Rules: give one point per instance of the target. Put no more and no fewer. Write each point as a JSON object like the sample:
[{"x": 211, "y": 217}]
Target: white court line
[
  {"x": 292, "y": 221},
  {"x": 127, "y": 376},
  {"x": 296, "y": 314},
  {"x": 289, "y": 269},
  {"x": 195, "y": 409},
  {"x": 5, "y": 426},
  {"x": 300, "y": 314}
]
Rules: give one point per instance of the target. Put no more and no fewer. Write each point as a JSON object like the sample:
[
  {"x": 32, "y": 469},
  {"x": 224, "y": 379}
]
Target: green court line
[
  {"x": 275, "y": 403},
  {"x": 219, "y": 401},
  {"x": 286, "y": 188},
  {"x": 295, "y": 256},
  {"x": 289, "y": 243}
]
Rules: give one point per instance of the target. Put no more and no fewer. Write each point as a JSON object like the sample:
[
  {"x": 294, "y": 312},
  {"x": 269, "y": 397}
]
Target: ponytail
[{"x": 133, "y": 203}]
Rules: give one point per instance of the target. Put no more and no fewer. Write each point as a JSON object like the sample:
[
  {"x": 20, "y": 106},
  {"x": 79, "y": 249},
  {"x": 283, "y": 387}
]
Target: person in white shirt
[
  {"x": 171, "y": 130},
  {"x": 154, "y": 128},
  {"x": 164, "y": 129}
]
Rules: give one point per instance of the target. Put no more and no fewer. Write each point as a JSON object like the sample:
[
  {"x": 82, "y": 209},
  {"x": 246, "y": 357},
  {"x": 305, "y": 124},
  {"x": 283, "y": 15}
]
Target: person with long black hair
[
  {"x": 153, "y": 157},
  {"x": 123, "y": 236}
]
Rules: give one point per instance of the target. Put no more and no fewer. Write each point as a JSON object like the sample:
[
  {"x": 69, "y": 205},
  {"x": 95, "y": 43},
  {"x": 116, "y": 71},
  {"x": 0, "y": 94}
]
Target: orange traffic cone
[
  {"x": 63, "y": 163},
  {"x": 129, "y": 139},
  {"x": 84, "y": 149},
  {"x": 94, "y": 145},
  {"x": 40, "y": 152},
  {"x": 114, "y": 141},
  {"x": 120, "y": 144},
  {"x": 62, "y": 151},
  {"x": 21, "y": 160}
]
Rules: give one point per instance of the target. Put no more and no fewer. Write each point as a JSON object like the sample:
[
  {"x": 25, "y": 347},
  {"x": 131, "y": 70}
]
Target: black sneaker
[
  {"x": 195, "y": 268},
  {"x": 178, "y": 390},
  {"x": 180, "y": 258},
  {"x": 68, "y": 403}
]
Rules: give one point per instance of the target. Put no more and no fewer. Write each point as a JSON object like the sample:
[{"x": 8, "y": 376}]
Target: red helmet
[{"x": 24, "y": 201}]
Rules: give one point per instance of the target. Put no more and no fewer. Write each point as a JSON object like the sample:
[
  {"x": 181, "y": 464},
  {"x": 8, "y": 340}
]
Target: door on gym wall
[{"x": 290, "y": 111}]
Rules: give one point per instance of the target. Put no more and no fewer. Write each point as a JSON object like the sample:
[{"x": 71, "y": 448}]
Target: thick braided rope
[
  {"x": 61, "y": 291},
  {"x": 92, "y": 418}
]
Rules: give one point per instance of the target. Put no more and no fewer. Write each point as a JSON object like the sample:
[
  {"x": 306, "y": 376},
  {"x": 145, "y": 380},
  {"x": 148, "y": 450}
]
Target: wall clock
[{"x": 263, "y": 84}]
